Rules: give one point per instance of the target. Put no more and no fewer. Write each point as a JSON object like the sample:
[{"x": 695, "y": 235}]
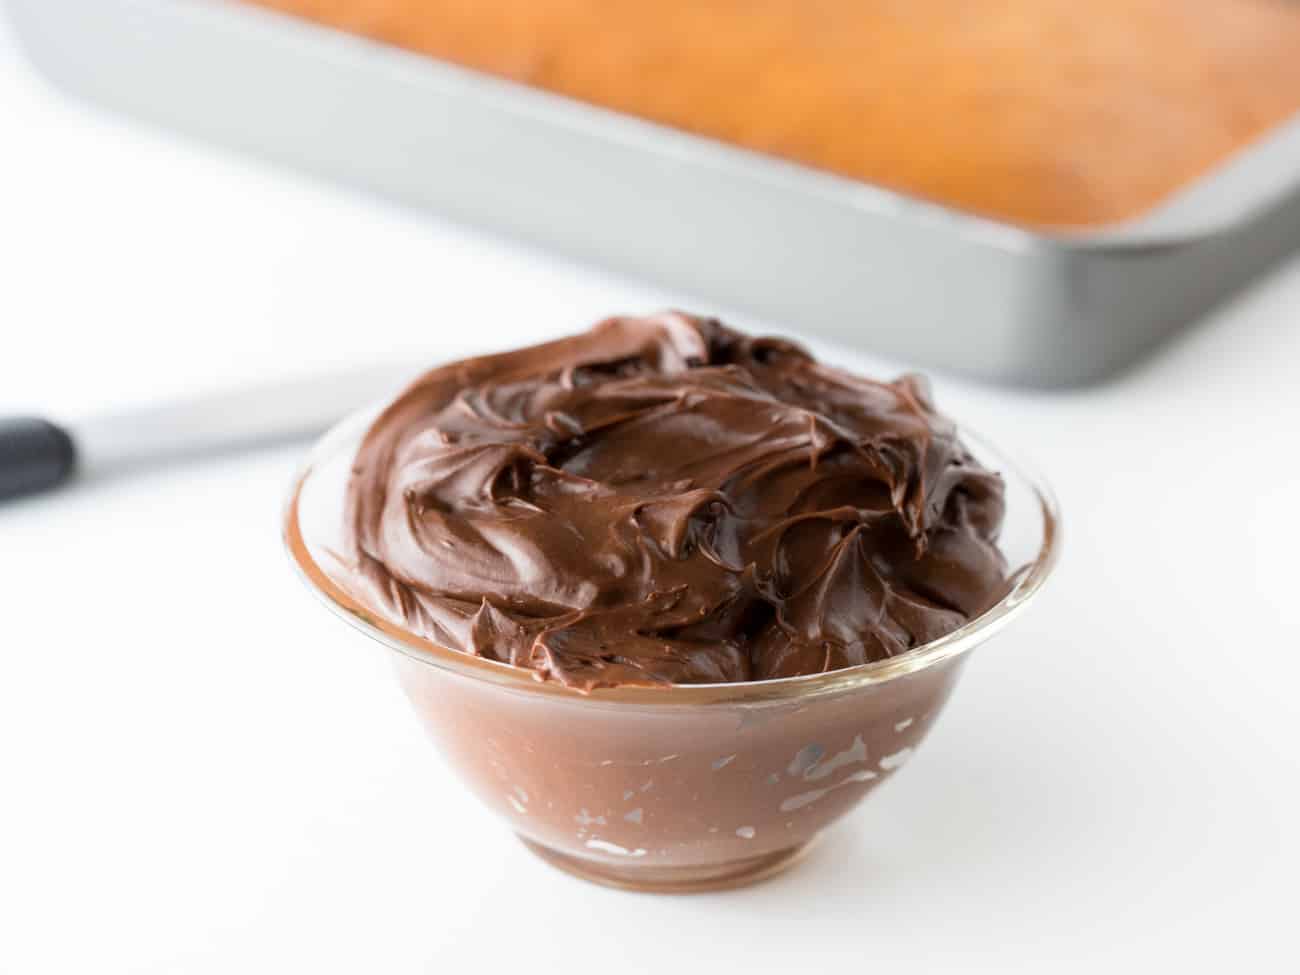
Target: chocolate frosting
[{"x": 664, "y": 500}]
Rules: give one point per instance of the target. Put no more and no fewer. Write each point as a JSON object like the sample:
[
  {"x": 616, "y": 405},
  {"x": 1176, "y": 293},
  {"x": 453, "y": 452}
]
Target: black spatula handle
[{"x": 35, "y": 455}]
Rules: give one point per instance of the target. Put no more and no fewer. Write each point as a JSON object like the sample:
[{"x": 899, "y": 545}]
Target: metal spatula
[{"x": 37, "y": 454}]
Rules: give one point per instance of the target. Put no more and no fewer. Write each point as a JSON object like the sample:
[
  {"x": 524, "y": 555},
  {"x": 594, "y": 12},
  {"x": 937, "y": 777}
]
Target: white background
[{"x": 200, "y": 771}]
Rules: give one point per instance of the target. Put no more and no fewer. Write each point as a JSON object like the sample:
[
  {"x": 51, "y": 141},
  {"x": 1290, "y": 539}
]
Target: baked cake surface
[{"x": 1039, "y": 112}]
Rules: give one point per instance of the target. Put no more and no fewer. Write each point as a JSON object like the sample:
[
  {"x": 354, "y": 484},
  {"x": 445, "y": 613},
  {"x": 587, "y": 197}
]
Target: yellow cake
[{"x": 1040, "y": 112}]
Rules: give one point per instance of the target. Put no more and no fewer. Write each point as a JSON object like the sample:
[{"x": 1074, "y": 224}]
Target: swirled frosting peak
[{"x": 665, "y": 500}]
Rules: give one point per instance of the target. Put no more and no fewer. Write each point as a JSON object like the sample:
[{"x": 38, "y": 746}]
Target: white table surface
[{"x": 200, "y": 771}]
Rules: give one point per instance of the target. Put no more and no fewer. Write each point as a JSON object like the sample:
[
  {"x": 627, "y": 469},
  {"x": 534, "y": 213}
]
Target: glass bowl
[{"x": 680, "y": 788}]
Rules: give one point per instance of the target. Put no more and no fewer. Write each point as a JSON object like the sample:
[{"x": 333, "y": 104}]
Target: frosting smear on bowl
[{"x": 665, "y": 500}]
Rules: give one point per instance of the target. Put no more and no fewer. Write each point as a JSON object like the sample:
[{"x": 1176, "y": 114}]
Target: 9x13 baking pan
[{"x": 786, "y": 243}]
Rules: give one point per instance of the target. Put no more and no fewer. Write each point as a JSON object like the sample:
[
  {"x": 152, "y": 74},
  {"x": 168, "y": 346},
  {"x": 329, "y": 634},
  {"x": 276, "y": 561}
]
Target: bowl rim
[{"x": 1028, "y": 582}]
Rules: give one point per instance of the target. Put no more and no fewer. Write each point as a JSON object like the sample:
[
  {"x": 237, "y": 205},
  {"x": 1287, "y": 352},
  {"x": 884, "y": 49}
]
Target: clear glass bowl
[{"x": 689, "y": 787}]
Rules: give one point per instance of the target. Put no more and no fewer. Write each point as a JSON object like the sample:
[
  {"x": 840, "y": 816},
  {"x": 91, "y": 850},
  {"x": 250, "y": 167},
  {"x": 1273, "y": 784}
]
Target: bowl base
[{"x": 674, "y": 880}]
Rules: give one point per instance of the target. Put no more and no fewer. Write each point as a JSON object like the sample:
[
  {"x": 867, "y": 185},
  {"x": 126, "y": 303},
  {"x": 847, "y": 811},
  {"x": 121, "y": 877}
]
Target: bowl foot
[{"x": 673, "y": 880}]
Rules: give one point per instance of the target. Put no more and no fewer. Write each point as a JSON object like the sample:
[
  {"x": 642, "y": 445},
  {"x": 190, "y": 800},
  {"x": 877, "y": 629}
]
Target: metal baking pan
[{"x": 788, "y": 244}]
